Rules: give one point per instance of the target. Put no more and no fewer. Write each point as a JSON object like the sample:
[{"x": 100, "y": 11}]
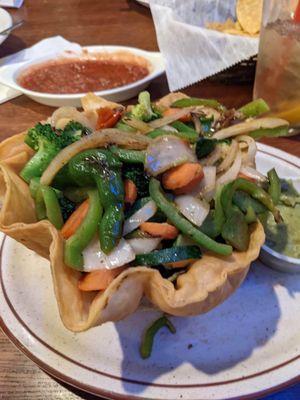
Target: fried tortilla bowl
[{"x": 207, "y": 283}]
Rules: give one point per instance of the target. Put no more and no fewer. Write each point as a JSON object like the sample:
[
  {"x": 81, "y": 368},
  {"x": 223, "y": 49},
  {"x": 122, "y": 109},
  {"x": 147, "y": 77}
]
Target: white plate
[
  {"x": 9, "y": 74},
  {"x": 5, "y": 22},
  {"x": 248, "y": 346}
]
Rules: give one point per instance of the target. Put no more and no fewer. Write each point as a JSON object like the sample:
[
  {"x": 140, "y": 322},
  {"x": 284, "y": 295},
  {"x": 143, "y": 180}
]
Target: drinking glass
[{"x": 277, "y": 77}]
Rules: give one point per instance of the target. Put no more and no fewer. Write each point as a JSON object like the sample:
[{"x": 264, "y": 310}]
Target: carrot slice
[
  {"x": 190, "y": 186},
  {"x": 172, "y": 111},
  {"x": 99, "y": 279},
  {"x": 107, "y": 118},
  {"x": 163, "y": 230},
  {"x": 130, "y": 191},
  {"x": 75, "y": 219},
  {"x": 182, "y": 175}
]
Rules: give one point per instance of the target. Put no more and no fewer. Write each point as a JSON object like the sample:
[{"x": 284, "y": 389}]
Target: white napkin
[
  {"x": 192, "y": 52},
  {"x": 52, "y": 45},
  {"x": 11, "y": 3}
]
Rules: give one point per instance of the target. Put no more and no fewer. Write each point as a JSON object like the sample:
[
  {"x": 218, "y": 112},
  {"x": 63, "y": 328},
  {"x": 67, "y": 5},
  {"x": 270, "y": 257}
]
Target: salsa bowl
[{"x": 9, "y": 75}]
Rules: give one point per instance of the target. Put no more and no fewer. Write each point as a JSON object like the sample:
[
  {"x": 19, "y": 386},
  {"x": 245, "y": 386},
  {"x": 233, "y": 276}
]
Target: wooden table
[{"x": 86, "y": 22}]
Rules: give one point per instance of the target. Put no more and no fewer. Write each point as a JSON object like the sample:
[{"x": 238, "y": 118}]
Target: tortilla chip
[
  {"x": 207, "y": 283},
  {"x": 221, "y": 26},
  {"x": 249, "y": 15}
]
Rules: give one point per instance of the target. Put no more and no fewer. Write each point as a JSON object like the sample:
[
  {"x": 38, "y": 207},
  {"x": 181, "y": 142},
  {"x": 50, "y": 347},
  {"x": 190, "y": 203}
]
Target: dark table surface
[{"x": 89, "y": 22}]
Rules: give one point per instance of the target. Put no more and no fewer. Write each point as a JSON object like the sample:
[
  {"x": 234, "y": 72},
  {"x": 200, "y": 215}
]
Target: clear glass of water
[{"x": 277, "y": 77}]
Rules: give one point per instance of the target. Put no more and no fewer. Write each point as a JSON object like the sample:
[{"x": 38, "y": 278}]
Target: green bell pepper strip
[
  {"x": 254, "y": 108},
  {"x": 235, "y": 230},
  {"x": 38, "y": 163},
  {"x": 186, "y": 227},
  {"x": 250, "y": 215},
  {"x": 111, "y": 227},
  {"x": 103, "y": 168},
  {"x": 129, "y": 156},
  {"x": 34, "y": 186},
  {"x": 274, "y": 186},
  {"x": 253, "y": 190},
  {"x": 84, "y": 234},
  {"x": 47, "y": 206},
  {"x": 269, "y": 132},
  {"x": 77, "y": 195},
  {"x": 244, "y": 201},
  {"x": 147, "y": 342},
  {"x": 193, "y": 101},
  {"x": 212, "y": 225},
  {"x": 191, "y": 137},
  {"x": 40, "y": 208},
  {"x": 188, "y": 132},
  {"x": 53, "y": 210}
]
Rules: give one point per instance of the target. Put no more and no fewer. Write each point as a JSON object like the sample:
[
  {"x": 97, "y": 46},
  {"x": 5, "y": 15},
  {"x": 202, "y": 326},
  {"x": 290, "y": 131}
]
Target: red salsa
[{"x": 80, "y": 75}]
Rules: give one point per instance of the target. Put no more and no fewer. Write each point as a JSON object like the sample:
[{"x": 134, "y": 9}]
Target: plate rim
[{"x": 265, "y": 149}]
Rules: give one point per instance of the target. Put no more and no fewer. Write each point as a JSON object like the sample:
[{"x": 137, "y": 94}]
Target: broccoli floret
[
  {"x": 67, "y": 207},
  {"x": 34, "y": 135},
  {"x": 75, "y": 130},
  {"x": 136, "y": 173},
  {"x": 144, "y": 110},
  {"x": 47, "y": 142}
]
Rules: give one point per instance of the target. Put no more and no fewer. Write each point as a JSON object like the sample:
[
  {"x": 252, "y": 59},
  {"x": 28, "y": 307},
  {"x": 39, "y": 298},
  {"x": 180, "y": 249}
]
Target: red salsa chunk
[{"x": 80, "y": 76}]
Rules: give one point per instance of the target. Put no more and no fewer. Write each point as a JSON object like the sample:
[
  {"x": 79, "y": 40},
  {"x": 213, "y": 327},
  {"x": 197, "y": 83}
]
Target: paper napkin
[
  {"x": 52, "y": 45},
  {"x": 11, "y": 3},
  {"x": 192, "y": 52}
]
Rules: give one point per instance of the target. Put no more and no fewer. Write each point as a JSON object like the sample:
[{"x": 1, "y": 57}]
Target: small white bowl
[
  {"x": 279, "y": 261},
  {"x": 5, "y": 23},
  {"x": 9, "y": 75}
]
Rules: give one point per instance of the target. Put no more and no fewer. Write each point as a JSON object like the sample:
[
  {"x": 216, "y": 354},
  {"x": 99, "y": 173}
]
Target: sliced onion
[
  {"x": 170, "y": 98},
  {"x": 206, "y": 187},
  {"x": 142, "y": 215},
  {"x": 61, "y": 123},
  {"x": 249, "y": 126},
  {"x": 166, "y": 152},
  {"x": 253, "y": 174},
  {"x": 252, "y": 149},
  {"x": 195, "y": 210},
  {"x": 97, "y": 139},
  {"x": 141, "y": 126},
  {"x": 94, "y": 258},
  {"x": 70, "y": 113},
  {"x": 142, "y": 246},
  {"x": 232, "y": 172},
  {"x": 91, "y": 102},
  {"x": 208, "y": 112},
  {"x": 158, "y": 123},
  {"x": 228, "y": 160},
  {"x": 197, "y": 123},
  {"x": 214, "y": 156}
]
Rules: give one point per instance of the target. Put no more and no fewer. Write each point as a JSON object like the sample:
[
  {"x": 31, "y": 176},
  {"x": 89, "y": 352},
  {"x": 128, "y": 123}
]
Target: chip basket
[{"x": 242, "y": 73}]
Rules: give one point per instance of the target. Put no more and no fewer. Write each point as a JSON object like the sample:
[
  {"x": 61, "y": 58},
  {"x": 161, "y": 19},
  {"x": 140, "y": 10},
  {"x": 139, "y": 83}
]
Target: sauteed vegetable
[
  {"x": 194, "y": 177},
  {"x": 161, "y": 199}
]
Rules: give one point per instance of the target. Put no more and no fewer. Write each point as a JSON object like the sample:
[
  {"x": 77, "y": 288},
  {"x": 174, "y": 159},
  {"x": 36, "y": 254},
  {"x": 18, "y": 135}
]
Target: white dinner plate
[
  {"x": 5, "y": 22},
  {"x": 247, "y": 347}
]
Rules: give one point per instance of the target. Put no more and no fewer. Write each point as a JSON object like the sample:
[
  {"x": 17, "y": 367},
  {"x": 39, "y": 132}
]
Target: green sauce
[{"x": 285, "y": 237}]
